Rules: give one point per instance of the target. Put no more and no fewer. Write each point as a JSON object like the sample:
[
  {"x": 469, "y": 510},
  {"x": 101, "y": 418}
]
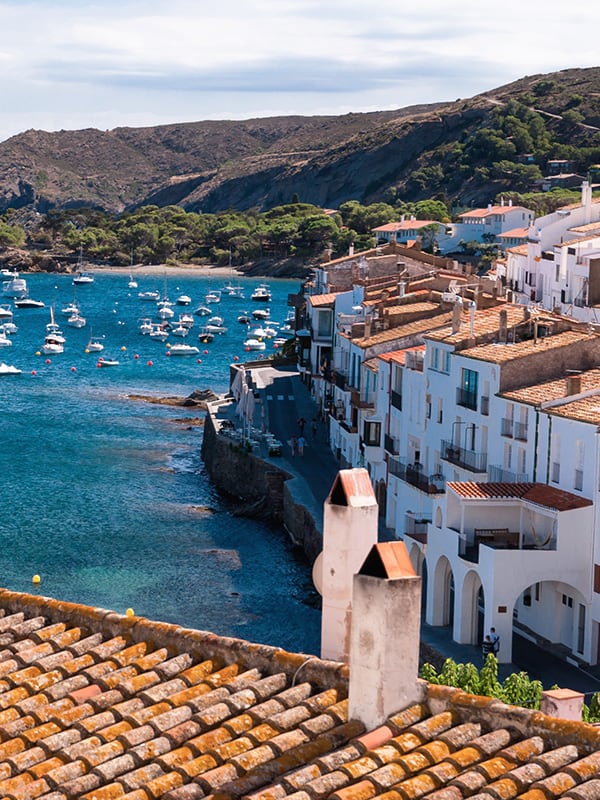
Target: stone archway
[
  {"x": 442, "y": 605},
  {"x": 470, "y": 622}
]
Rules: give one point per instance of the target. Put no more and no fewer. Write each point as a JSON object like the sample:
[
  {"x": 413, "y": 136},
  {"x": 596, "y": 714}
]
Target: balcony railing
[
  {"x": 498, "y": 474},
  {"x": 466, "y": 398},
  {"x": 520, "y": 431},
  {"x": 361, "y": 399},
  {"x": 467, "y": 459},
  {"x": 397, "y": 400},
  {"x": 340, "y": 380},
  {"x": 390, "y": 445},
  {"x": 501, "y": 539},
  {"x": 413, "y": 474},
  {"x": 506, "y": 427}
]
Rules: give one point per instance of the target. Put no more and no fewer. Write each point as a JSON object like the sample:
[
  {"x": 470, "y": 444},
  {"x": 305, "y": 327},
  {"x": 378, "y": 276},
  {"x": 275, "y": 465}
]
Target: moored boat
[
  {"x": 183, "y": 350},
  {"x": 8, "y": 369}
]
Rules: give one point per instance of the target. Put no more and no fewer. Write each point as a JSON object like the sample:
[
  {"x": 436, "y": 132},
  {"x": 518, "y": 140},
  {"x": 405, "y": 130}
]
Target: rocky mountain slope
[{"x": 259, "y": 163}]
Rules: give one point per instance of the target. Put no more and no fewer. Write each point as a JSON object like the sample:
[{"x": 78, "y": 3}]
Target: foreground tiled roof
[
  {"x": 501, "y": 353},
  {"x": 97, "y": 706},
  {"x": 548, "y": 391}
]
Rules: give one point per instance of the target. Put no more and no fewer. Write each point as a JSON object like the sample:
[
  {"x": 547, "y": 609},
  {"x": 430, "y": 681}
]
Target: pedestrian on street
[
  {"x": 487, "y": 647},
  {"x": 301, "y": 443},
  {"x": 293, "y": 443},
  {"x": 301, "y": 424},
  {"x": 495, "y": 639}
]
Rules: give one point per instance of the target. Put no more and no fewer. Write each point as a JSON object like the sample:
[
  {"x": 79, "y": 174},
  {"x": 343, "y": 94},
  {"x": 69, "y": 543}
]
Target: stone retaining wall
[{"x": 263, "y": 489}]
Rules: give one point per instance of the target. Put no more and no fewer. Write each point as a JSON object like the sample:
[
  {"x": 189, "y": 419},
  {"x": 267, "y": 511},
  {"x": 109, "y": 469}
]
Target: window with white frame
[{"x": 579, "y": 454}]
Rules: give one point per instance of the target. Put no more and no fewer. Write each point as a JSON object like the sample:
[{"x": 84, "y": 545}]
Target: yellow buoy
[
  {"x": 123, "y": 348},
  {"x": 36, "y": 579},
  {"x": 130, "y": 612}
]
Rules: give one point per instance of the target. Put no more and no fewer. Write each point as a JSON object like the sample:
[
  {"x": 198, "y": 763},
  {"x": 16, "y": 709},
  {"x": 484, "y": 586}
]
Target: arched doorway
[
  {"x": 420, "y": 566},
  {"x": 472, "y": 609},
  {"x": 443, "y": 593}
]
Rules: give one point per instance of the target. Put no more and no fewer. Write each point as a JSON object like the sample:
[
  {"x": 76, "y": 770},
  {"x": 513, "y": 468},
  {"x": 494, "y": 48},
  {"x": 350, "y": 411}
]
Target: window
[
  {"x": 581, "y": 628},
  {"x": 435, "y": 358},
  {"x": 372, "y": 433},
  {"x": 446, "y": 361},
  {"x": 324, "y": 319},
  {"x": 467, "y": 393}
]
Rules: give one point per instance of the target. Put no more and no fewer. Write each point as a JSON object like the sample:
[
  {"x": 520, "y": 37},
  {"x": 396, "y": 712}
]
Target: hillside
[{"x": 464, "y": 151}]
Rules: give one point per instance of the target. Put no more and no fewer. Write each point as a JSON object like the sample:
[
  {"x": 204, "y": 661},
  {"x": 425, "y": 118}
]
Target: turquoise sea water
[{"x": 106, "y": 498}]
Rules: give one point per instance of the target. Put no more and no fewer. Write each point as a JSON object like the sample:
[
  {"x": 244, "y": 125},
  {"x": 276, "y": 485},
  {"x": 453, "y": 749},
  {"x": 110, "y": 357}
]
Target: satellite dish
[{"x": 317, "y": 573}]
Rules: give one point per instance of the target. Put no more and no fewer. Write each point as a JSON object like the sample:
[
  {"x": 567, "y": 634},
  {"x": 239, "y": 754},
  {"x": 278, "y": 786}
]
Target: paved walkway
[{"x": 285, "y": 399}]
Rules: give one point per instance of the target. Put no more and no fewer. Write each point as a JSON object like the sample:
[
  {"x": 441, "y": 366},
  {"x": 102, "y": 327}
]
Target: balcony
[
  {"x": 498, "y": 474},
  {"x": 362, "y": 399},
  {"x": 416, "y": 526},
  {"x": 466, "y": 398},
  {"x": 390, "y": 445},
  {"x": 397, "y": 400},
  {"x": 461, "y": 457},
  {"x": 340, "y": 380},
  {"x": 413, "y": 474}
]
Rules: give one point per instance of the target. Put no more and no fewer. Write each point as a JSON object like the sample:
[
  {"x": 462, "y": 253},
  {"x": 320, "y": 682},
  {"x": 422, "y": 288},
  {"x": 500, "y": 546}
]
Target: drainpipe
[
  {"x": 535, "y": 444},
  {"x": 548, "y": 449}
]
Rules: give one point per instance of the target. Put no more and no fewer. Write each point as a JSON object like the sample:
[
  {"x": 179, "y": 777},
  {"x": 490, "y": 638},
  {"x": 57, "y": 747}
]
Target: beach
[{"x": 203, "y": 271}]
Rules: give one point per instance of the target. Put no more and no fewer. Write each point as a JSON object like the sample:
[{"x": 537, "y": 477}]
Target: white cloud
[{"x": 67, "y": 63}]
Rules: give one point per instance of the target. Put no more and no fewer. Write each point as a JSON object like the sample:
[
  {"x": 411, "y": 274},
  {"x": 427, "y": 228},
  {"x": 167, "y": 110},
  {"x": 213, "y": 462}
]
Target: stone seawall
[{"x": 263, "y": 489}]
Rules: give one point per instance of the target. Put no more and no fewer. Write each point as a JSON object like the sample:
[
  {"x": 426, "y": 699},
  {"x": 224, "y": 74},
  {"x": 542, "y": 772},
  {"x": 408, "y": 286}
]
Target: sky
[{"x": 72, "y": 64}]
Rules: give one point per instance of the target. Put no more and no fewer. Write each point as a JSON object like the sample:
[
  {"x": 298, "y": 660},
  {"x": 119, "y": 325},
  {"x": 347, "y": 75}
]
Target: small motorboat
[
  {"x": 252, "y": 343},
  {"x": 28, "y": 302},
  {"x": 146, "y": 326},
  {"x": 77, "y": 321},
  {"x": 183, "y": 350},
  {"x": 203, "y": 311},
  {"x": 6, "y": 312},
  {"x": 107, "y": 362},
  {"x": 180, "y": 330},
  {"x": 8, "y": 328},
  {"x": 4, "y": 340},
  {"x": 243, "y": 319},
  {"x": 53, "y": 345},
  {"x": 15, "y": 287},
  {"x": 261, "y": 313},
  {"x": 187, "y": 320},
  {"x": 95, "y": 344},
  {"x": 149, "y": 296},
  {"x": 165, "y": 312},
  {"x": 183, "y": 300},
  {"x": 212, "y": 297},
  {"x": 8, "y": 369},
  {"x": 159, "y": 333},
  {"x": 262, "y": 293}
]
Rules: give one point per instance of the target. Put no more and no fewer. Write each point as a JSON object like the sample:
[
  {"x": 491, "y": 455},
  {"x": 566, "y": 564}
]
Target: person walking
[
  {"x": 301, "y": 424},
  {"x": 487, "y": 647},
  {"x": 495, "y": 639},
  {"x": 293, "y": 443},
  {"x": 301, "y": 443}
]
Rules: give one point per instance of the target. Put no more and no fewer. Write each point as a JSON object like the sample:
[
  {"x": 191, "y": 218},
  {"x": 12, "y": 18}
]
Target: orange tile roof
[
  {"x": 502, "y": 353},
  {"x": 486, "y": 322},
  {"x": 415, "y": 328},
  {"x": 99, "y": 706},
  {"x": 323, "y": 299},
  {"x": 399, "y": 356},
  {"x": 486, "y": 212},
  {"x": 521, "y": 233},
  {"x": 539, "y": 393},
  {"x": 407, "y": 225},
  {"x": 538, "y": 493}
]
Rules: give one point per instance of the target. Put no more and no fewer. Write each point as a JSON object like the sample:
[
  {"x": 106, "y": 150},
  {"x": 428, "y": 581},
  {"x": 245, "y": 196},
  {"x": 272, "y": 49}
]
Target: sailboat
[
  {"x": 82, "y": 277},
  {"x": 54, "y": 341}
]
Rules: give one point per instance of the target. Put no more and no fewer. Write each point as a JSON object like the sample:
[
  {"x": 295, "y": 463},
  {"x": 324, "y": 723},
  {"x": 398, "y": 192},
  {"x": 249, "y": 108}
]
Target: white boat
[
  {"x": 4, "y": 340},
  {"x": 270, "y": 331},
  {"x": 15, "y": 287},
  {"x": 252, "y": 343},
  {"x": 183, "y": 300},
  {"x": 95, "y": 344},
  {"x": 132, "y": 284},
  {"x": 83, "y": 278},
  {"x": 8, "y": 327},
  {"x": 243, "y": 319},
  {"x": 158, "y": 333},
  {"x": 180, "y": 330},
  {"x": 203, "y": 311},
  {"x": 151, "y": 296},
  {"x": 165, "y": 312},
  {"x": 8, "y": 369},
  {"x": 212, "y": 297},
  {"x": 107, "y": 362},
  {"x": 146, "y": 326},
  {"x": 187, "y": 320},
  {"x": 261, "y": 313},
  {"x": 54, "y": 343},
  {"x": 183, "y": 350},
  {"x": 216, "y": 325},
  {"x": 77, "y": 321},
  {"x": 6, "y": 312},
  {"x": 256, "y": 332},
  {"x": 262, "y": 293},
  {"x": 28, "y": 302}
]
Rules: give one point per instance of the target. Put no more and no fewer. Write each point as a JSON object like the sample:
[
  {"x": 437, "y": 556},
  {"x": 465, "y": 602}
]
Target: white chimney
[
  {"x": 562, "y": 703},
  {"x": 384, "y": 656},
  {"x": 350, "y": 524},
  {"x": 351, "y": 249},
  {"x": 586, "y": 201}
]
